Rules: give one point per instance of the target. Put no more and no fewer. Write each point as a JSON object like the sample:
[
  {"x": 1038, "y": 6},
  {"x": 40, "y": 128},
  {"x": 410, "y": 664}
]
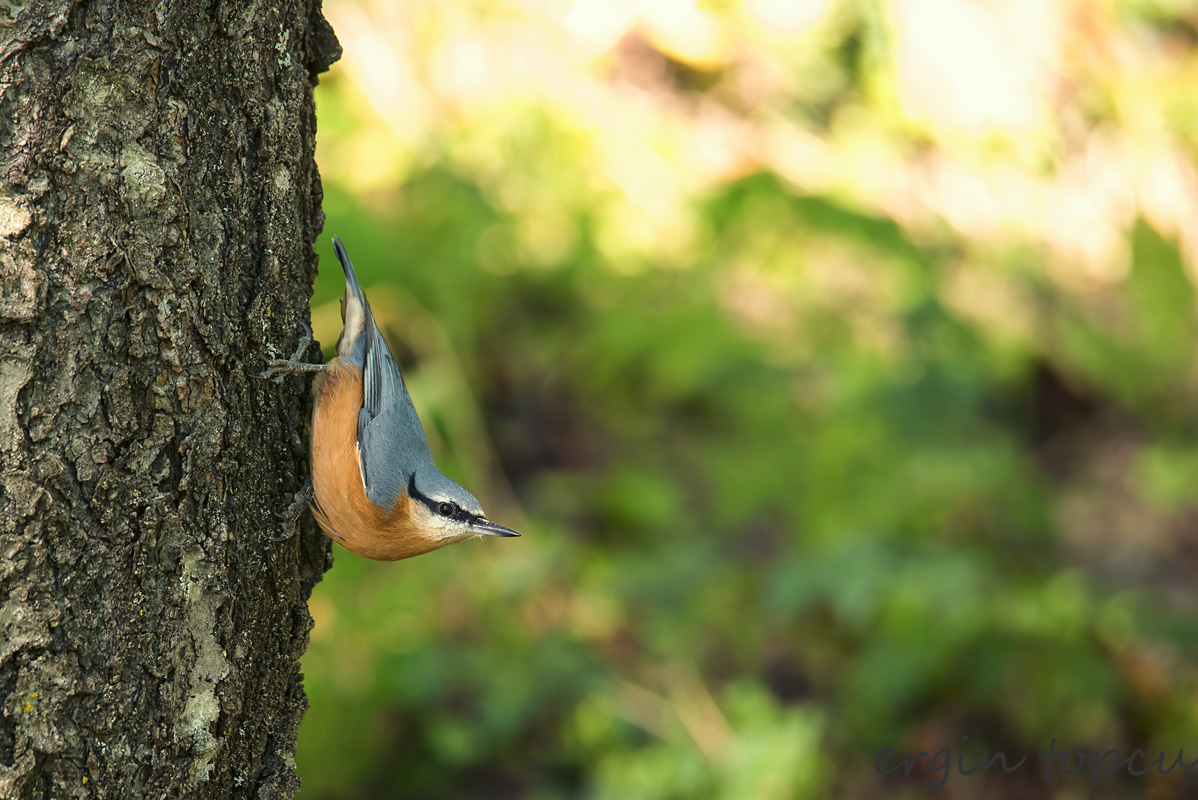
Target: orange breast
[{"x": 341, "y": 506}]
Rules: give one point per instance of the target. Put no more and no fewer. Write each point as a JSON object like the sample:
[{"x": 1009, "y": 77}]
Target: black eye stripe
[{"x": 456, "y": 512}]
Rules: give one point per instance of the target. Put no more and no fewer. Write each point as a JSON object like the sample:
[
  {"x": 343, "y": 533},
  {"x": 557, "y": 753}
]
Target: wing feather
[{"x": 390, "y": 437}]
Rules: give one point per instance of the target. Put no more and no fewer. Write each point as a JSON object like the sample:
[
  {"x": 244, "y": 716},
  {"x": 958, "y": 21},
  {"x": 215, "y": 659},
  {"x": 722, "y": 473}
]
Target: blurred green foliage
[{"x": 803, "y": 470}]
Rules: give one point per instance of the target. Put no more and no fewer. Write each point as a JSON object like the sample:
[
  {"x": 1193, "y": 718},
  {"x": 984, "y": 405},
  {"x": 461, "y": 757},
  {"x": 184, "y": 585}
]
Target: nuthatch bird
[{"x": 374, "y": 486}]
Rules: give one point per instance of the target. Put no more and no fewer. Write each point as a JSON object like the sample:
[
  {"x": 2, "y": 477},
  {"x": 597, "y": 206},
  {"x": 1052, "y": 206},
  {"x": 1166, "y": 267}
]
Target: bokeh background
[{"x": 836, "y": 358}]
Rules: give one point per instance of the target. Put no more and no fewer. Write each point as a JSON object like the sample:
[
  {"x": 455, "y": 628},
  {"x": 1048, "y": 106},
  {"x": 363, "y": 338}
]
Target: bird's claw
[
  {"x": 303, "y": 498},
  {"x": 284, "y": 537},
  {"x": 278, "y": 368}
]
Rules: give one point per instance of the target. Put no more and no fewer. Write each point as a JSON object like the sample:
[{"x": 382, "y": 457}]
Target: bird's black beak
[{"x": 489, "y": 528}]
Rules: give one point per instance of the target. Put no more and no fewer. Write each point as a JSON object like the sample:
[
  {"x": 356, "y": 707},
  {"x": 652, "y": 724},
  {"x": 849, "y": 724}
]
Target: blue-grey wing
[{"x": 391, "y": 440}]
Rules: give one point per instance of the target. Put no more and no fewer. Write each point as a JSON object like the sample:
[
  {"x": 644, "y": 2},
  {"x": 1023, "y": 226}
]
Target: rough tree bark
[{"x": 158, "y": 205}]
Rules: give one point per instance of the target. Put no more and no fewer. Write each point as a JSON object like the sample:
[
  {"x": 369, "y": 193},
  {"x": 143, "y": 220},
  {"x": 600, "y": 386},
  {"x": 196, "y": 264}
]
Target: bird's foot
[
  {"x": 303, "y": 498},
  {"x": 278, "y": 368}
]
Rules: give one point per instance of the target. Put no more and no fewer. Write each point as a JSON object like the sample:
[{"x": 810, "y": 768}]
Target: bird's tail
[
  {"x": 357, "y": 327},
  {"x": 351, "y": 278}
]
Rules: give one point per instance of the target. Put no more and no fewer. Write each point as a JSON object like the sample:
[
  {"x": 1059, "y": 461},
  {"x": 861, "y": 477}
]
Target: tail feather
[
  {"x": 351, "y": 278},
  {"x": 358, "y": 330}
]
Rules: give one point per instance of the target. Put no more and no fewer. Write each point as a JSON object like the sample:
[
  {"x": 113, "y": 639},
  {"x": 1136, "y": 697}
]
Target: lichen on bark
[{"x": 158, "y": 206}]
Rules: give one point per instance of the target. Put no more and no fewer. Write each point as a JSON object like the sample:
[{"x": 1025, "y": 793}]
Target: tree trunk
[{"x": 158, "y": 205}]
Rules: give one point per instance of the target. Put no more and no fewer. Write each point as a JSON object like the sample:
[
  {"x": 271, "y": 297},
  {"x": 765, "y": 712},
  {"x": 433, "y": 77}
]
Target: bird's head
[{"x": 447, "y": 511}]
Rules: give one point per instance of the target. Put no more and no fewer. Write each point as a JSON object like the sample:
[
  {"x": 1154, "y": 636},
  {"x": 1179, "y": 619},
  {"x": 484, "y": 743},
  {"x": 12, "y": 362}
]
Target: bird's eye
[{"x": 446, "y": 509}]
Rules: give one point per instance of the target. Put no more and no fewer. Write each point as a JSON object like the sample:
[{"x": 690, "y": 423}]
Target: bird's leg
[
  {"x": 303, "y": 498},
  {"x": 277, "y": 368}
]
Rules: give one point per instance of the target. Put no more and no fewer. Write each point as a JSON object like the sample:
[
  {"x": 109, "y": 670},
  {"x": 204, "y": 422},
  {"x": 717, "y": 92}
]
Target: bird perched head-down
[{"x": 376, "y": 488}]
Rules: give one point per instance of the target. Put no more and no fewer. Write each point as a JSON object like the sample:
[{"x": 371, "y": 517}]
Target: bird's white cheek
[
  {"x": 440, "y": 527},
  {"x": 456, "y": 533},
  {"x": 451, "y": 532}
]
